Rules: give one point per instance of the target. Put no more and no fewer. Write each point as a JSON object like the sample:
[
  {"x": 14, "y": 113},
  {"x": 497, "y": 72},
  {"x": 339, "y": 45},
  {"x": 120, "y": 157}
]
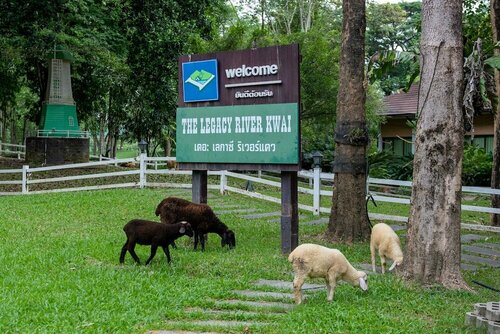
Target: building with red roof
[{"x": 400, "y": 109}]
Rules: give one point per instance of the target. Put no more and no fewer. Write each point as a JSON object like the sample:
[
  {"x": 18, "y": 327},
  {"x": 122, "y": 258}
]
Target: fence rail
[
  {"x": 143, "y": 169},
  {"x": 63, "y": 133},
  {"x": 18, "y": 151}
]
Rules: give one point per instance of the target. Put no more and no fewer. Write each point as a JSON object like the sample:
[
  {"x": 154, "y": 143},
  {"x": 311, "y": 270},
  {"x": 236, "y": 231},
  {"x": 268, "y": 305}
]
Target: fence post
[
  {"x": 24, "y": 185},
  {"x": 0, "y": 148},
  {"x": 142, "y": 170},
  {"x": 316, "y": 190},
  {"x": 223, "y": 182}
]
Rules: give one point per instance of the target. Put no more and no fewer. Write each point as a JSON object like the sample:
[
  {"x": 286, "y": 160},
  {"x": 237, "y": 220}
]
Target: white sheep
[
  {"x": 387, "y": 242},
  {"x": 310, "y": 260}
]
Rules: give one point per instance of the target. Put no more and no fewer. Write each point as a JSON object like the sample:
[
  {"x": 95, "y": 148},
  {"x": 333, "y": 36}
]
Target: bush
[
  {"x": 476, "y": 171},
  {"x": 477, "y": 166},
  {"x": 386, "y": 165}
]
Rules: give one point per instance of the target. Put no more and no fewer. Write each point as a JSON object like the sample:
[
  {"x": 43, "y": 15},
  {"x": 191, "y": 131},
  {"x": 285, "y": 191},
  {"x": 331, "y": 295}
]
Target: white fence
[
  {"x": 12, "y": 150},
  {"x": 63, "y": 133},
  {"x": 146, "y": 165}
]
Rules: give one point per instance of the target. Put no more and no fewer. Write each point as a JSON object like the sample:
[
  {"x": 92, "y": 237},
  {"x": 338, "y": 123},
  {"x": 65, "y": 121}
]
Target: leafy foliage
[
  {"x": 392, "y": 37},
  {"x": 477, "y": 24},
  {"x": 493, "y": 62},
  {"x": 386, "y": 165},
  {"x": 476, "y": 167}
]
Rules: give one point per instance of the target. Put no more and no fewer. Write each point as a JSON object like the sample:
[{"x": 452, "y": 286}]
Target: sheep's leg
[
  {"x": 195, "y": 239},
  {"x": 131, "y": 250},
  {"x": 372, "y": 252},
  {"x": 382, "y": 261},
  {"x": 298, "y": 281},
  {"x": 167, "y": 253},
  {"x": 202, "y": 240},
  {"x": 173, "y": 245},
  {"x": 154, "y": 247},
  {"x": 124, "y": 251},
  {"x": 328, "y": 287},
  {"x": 331, "y": 283}
]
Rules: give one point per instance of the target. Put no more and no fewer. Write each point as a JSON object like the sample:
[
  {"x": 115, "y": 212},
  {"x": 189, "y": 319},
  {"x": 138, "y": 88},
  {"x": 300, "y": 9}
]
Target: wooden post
[
  {"x": 223, "y": 182},
  {"x": 289, "y": 212},
  {"x": 199, "y": 194},
  {"x": 24, "y": 185},
  {"x": 316, "y": 190},
  {"x": 142, "y": 170}
]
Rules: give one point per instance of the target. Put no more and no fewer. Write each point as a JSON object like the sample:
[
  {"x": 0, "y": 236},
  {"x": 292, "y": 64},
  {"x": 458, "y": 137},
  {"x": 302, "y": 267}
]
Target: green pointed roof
[{"x": 60, "y": 52}]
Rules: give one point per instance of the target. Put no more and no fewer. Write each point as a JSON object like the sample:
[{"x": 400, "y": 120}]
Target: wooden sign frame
[{"x": 262, "y": 76}]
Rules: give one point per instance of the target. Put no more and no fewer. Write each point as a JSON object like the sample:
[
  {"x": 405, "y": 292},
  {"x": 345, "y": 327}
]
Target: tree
[
  {"x": 348, "y": 219},
  {"x": 393, "y": 32},
  {"x": 10, "y": 84},
  {"x": 495, "y": 175},
  {"x": 433, "y": 243},
  {"x": 158, "y": 34}
]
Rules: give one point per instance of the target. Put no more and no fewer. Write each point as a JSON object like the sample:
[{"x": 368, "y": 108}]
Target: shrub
[
  {"x": 477, "y": 166},
  {"x": 386, "y": 165},
  {"x": 476, "y": 171}
]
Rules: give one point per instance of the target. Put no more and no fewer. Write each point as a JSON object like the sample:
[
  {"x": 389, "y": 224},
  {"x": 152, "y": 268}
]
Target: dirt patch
[{"x": 11, "y": 163}]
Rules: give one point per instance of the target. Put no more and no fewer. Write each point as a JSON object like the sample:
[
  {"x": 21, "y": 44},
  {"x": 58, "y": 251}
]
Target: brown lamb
[
  {"x": 201, "y": 217},
  {"x": 146, "y": 232}
]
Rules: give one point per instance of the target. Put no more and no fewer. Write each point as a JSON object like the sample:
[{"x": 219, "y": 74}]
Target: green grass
[
  {"x": 59, "y": 273},
  {"x": 124, "y": 154}
]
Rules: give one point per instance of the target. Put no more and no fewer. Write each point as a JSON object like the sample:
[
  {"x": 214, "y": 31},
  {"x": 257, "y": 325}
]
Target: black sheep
[
  {"x": 146, "y": 232},
  {"x": 200, "y": 216}
]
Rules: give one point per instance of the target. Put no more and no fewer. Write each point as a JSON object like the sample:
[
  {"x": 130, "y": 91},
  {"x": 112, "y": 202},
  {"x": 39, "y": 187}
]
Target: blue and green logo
[{"x": 200, "y": 81}]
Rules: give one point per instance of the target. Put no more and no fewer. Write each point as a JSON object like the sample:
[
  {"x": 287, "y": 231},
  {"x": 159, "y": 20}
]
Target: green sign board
[{"x": 261, "y": 133}]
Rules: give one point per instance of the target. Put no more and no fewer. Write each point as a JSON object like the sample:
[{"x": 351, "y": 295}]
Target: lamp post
[
  {"x": 317, "y": 157},
  {"x": 142, "y": 146},
  {"x": 142, "y": 163}
]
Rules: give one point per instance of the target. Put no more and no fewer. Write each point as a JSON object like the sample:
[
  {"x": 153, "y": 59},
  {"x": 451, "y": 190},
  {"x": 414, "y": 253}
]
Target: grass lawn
[
  {"x": 124, "y": 154},
  {"x": 60, "y": 273}
]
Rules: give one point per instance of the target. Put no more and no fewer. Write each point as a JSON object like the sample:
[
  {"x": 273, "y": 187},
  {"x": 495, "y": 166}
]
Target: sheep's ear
[
  {"x": 362, "y": 284},
  {"x": 394, "y": 264},
  {"x": 182, "y": 229}
]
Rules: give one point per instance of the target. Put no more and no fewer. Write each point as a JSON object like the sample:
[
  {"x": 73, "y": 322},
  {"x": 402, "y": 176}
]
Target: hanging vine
[{"x": 477, "y": 83}]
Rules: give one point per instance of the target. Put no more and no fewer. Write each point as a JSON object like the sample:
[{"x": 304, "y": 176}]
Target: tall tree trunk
[
  {"x": 4, "y": 125},
  {"x": 2, "y": 116},
  {"x": 262, "y": 11},
  {"x": 348, "y": 219},
  {"x": 433, "y": 243},
  {"x": 102, "y": 138},
  {"x": 306, "y": 8},
  {"x": 109, "y": 143},
  {"x": 495, "y": 173},
  {"x": 25, "y": 128},
  {"x": 115, "y": 143},
  {"x": 13, "y": 127},
  {"x": 168, "y": 147},
  {"x": 94, "y": 143}
]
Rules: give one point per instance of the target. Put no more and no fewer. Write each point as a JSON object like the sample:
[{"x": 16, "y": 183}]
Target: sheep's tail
[{"x": 291, "y": 257}]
